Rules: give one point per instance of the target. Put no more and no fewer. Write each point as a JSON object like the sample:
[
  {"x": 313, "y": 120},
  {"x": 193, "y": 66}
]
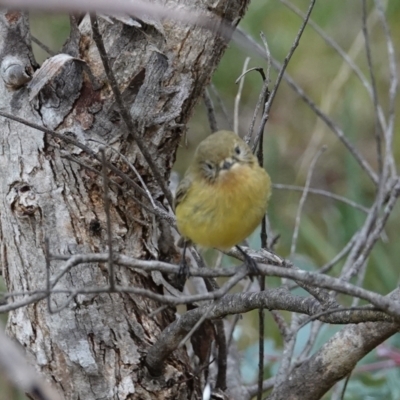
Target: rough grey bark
[
  {"x": 334, "y": 361},
  {"x": 92, "y": 349}
]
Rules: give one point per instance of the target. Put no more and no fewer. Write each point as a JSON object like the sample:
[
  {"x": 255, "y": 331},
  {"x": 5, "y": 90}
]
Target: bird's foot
[
  {"x": 251, "y": 264},
  {"x": 184, "y": 271}
]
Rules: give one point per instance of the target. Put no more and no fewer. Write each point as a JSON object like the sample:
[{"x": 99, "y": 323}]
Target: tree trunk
[{"x": 93, "y": 347}]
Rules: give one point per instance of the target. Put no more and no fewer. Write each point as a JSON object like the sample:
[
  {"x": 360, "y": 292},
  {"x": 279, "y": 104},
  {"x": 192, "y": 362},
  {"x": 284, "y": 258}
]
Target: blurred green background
[{"x": 293, "y": 135}]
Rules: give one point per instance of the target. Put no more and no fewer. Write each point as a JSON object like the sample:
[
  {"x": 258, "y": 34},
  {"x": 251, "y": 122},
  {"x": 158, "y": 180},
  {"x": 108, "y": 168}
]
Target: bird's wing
[{"x": 182, "y": 190}]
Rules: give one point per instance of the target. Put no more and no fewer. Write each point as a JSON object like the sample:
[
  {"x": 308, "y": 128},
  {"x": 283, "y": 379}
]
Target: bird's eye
[
  {"x": 237, "y": 150},
  {"x": 209, "y": 166}
]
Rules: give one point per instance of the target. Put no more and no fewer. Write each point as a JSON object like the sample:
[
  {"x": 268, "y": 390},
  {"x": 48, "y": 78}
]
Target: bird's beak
[{"x": 227, "y": 164}]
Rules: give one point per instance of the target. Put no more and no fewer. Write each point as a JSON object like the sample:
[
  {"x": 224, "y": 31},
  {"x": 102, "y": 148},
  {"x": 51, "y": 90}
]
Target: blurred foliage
[{"x": 292, "y": 137}]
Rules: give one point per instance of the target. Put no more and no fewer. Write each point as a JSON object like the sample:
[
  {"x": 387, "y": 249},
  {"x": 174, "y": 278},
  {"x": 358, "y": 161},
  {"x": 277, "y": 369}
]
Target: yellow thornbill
[{"x": 223, "y": 195}]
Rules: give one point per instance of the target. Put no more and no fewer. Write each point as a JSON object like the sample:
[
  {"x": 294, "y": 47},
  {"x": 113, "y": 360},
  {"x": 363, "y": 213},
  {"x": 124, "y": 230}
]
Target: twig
[
  {"x": 261, "y": 333},
  {"x": 260, "y": 104},
  {"x": 42, "y": 46},
  {"x": 212, "y": 120},
  {"x": 346, "y": 381},
  {"x": 48, "y": 285},
  {"x": 258, "y": 69},
  {"x": 280, "y": 323},
  {"x": 389, "y": 164},
  {"x": 374, "y": 235},
  {"x": 315, "y": 329},
  {"x": 332, "y": 311},
  {"x": 166, "y": 299},
  {"x": 222, "y": 360},
  {"x": 263, "y": 96},
  {"x": 244, "y": 302},
  {"x": 304, "y": 276},
  {"x": 222, "y": 105},
  {"x": 317, "y": 280},
  {"x": 238, "y": 96},
  {"x": 106, "y": 200},
  {"x": 321, "y": 192},
  {"x": 158, "y": 310},
  {"x": 375, "y": 100},
  {"x": 271, "y": 98},
  {"x": 286, "y": 358},
  {"x": 124, "y": 112},
  {"x": 237, "y": 316},
  {"x": 302, "y": 201},
  {"x": 359, "y": 281},
  {"x": 254, "y": 389},
  {"x": 326, "y": 267},
  {"x": 171, "y": 336},
  {"x": 132, "y": 167},
  {"x": 354, "y": 261},
  {"x": 159, "y": 211},
  {"x": 222, "y": 355},
  {"x": 263, "y": 234},
  {"x": 360, "y": 250},
  {"x": 195, "y": 326}
]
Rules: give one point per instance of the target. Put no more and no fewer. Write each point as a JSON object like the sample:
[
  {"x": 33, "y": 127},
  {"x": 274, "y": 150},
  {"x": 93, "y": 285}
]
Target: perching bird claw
[
  {"x": 183, "y": 272},
  {"x": 251, "y": 264}
]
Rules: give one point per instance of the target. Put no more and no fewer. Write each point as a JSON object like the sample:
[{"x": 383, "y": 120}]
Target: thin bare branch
[
  {"x": 172, "y": 335},
  {"x": 106, "y": 200},
  {"x": 332, "y": 311},
  {"x": 388, "y": 133},
  {"x": 285, "y": 63},
  {"x": 263, "y": 96},
  {"x": 327, "y": 267},
  {"x": 48, "y": 283},
  {"x": 254, "y": 389},
  {"x": 132, "y": 167},
  {"x": 221, "y": 104},
  {"x": 159, "y": 211},
  {"x": 261, "y": 333},
  {"x": 195, "y": 326},
  {"x": 374, "y": 235},
  {"x": 125, "y": 114},
  {"x": 302, "y": 201},
  {"x": 321, "y": 192},
  {"x": 286, "y": 358},
  {"x": 222, "y": 355},
  {"x": 375, "y": 100},
  {"x": 239, "y": 95},
  {"x": 312, "y": 337},
  {"x": 212, "y": 120},
  {"x": 42, "y": 46},
  {"x": 237, "y": 316}
]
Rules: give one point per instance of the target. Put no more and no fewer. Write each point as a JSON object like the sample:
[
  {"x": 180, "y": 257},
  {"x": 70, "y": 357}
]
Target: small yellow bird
[{"x": 223, "y": 195}]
